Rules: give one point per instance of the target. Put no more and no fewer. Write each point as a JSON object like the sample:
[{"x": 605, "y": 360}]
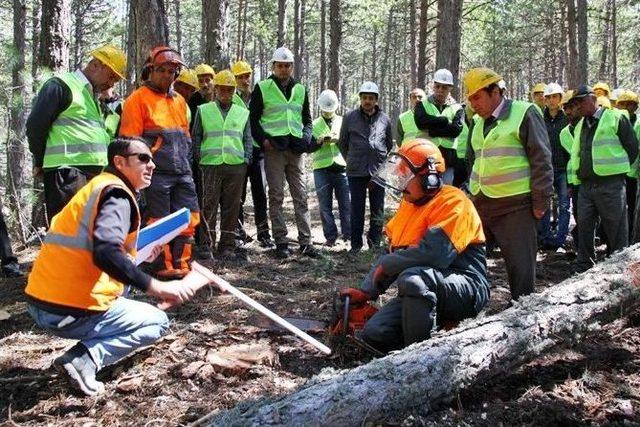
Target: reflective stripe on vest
[
  {"x": 501, "y": 167},
  {"x": 64, "y": 272},
  {"x": 329, "y": 153},
  {"x": 78, "y": 136},
  {"x": 608, "y": 155},
  {"x": 411, "y": 131},
  {"x": 222, "y": 143},
  {"x": 449, "y": 113},
  {"x": 281, "y": 116}
]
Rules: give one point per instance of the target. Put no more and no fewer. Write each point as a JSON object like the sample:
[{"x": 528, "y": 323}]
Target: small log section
[{"x": 423, "y": 376}]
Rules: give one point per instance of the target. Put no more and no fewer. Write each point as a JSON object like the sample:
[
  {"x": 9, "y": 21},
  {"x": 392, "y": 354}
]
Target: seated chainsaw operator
[
  {"x": 437, "y": 253},
  {"x": 75, "y": 288}
]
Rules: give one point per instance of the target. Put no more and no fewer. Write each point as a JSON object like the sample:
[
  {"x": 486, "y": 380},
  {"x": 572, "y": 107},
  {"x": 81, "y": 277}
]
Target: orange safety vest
[
  {"x": 64, "y": 273},
  {"x": 450, "y": 210}
]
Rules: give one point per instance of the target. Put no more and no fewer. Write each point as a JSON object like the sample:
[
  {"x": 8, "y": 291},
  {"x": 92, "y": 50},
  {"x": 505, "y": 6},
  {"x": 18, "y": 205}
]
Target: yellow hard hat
[
  {"x": 113, "y": 58},
  {"x": 567, "y": 97},
  {"x": 225, "y": 78},
  {"x": 603, "y": 101},
  {"x": 603, "y": 86},
  {"x": 628, "y": 96},
  {"x": 189, "y": 77},
  {"x": 202, "y": 69},
  {"x": 479, "y": 78},
  {"x": 539, "y": 87},
  {"x": 241, "y": 67}
]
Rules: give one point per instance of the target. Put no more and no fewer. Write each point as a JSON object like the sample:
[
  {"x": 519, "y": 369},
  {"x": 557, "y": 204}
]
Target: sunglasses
[{"x": 143, "y": 157}]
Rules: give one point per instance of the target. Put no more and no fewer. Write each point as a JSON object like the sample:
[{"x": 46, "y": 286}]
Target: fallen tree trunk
[{"x": 426, "y": 375}]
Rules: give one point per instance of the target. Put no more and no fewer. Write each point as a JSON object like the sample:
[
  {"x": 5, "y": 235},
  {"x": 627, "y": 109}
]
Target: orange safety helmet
[{"x": 161, "y": 55}]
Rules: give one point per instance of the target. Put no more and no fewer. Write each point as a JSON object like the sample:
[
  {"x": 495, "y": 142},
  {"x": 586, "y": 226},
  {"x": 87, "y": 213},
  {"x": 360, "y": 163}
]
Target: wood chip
[
  {"x": 130, "y": 384},
  {"x": 192, "y": 369},
  {"x": 237, "y": 358}
]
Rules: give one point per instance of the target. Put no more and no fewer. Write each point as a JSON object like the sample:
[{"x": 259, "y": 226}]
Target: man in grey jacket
[{"x": 365, "y": 141}]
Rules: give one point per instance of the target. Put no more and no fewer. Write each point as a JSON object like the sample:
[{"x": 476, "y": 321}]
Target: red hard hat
[{"x": 165, "y": 55}]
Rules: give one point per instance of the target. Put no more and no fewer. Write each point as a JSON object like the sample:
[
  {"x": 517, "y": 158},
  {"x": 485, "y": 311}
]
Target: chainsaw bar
[{"x": 305, "y": 324}]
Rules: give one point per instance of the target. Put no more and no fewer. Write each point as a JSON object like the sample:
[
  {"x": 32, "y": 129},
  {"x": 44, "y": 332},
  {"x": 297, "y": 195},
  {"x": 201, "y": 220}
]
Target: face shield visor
[{"x": 395, "y": 173}]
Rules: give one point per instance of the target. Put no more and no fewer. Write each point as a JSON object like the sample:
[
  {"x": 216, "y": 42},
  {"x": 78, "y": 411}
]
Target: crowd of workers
[{"x": 470, "y": 176}]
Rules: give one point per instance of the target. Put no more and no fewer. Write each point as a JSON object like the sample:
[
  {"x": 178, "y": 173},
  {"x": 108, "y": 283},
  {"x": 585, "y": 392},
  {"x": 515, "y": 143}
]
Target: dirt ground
[{"x": 171, "y": 383}]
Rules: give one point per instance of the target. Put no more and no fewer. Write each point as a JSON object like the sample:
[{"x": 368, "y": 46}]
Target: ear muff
[{"x": 432, "y": 180}]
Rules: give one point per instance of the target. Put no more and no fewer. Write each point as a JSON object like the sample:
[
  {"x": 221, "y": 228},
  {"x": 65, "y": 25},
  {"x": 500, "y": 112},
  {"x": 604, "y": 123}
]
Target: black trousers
[
  {"x": 358, "y": 187},
  {"x": 61, "y": 184},
  {"x": 6, "y": 253},
  {"x": 258, "y": 194}
]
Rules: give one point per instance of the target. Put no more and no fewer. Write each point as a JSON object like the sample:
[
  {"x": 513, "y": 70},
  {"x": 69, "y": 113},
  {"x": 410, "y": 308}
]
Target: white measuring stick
[{"x": 226, "y": 286}]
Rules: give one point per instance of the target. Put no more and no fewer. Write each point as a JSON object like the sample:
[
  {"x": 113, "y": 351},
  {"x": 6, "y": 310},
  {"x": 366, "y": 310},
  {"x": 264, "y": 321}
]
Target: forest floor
[{"x": 176, "y": 382}]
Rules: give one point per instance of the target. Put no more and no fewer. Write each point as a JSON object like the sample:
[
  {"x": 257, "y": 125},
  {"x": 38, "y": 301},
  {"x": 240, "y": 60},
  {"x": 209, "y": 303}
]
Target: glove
[{"x": 356, "y": 295}]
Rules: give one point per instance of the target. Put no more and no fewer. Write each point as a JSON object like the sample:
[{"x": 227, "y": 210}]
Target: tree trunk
[
  {"x": 298, "y": 38},
  {"x": 583, "y": 47},
  {"x": 147, "y": 28},
  {"x": 216, "y": 17},
  {"x": 281, "y": 39},
  {"x": 15, "y": 144},
  {"x": 54, "y": 36},
  {"x": 176, "y": 5},
  {"x": 384, "y": 98},
  {"x": 418, "y": 379},
  {"x": 572, "y": 71},
  {"x": 421, "y": 73},
  {"x": 35, "y": 44},
  {"x": 614, "y": 44},
  {"x": 412, "y": 43},
  {"x": 78, "y": 33},
  {"x": 335, "y": 41},
  {"x": 241, "y": 5},
  {"x": 323, "y": 44},
  {"x": 448, "y": 36},
  {"x": 602, "y": 71}
]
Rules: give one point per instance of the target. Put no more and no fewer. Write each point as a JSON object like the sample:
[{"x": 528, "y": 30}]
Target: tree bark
[
  {"x": 281, "y": 39},
  {"x": 241, "y": 5},
  {"x": 421, "y": 72},
  {"x": 147, "y": 28},
  {"x": 216, "y": 17},
  {"x": 176, "y": 5},
  {"x": 413, "y": 58},
  {"x": 335, "y": 41},
  {"x": 614, "y": 44},
  {"x": 54, "y": 35},
  {"x": 35, "y": 43},
  {"x": 448, "y": 35},
  {"x": 418, "y": 379},
  {"x": 17, "y": 118},
  {"x": 583, "y": 47},
  {"x": 602, "y": 71},
  {"x": 323, "y": 44}
]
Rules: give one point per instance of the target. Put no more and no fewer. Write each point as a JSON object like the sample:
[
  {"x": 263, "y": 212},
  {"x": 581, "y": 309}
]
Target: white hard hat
[
  {"x": 369, "y": 87},
  {"x": 328, "y": 101},
  {"x": 615, "y": 94},
  {"x": 553, "y": 89},
  {"x": 443, "y": 76},
  {"x": 282, "y": 54}
]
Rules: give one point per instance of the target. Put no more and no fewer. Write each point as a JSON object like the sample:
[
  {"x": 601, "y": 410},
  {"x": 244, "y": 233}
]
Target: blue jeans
[
  {"x": 110, "y": 336},
  {"x": 327, "y": 182},
  {"x": 358, "y": 187},
  {"x": 545, "y": 234}
]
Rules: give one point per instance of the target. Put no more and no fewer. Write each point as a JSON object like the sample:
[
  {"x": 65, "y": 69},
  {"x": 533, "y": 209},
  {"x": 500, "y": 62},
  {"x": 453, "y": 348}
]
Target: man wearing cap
[
  {"x": 512, "y": 177},
  {"x": 255, "y": 171},
  {"x": 442, "y": 118},
  {"x": 222, "y": 147},
  {"x": 66, "y": 129},
  {"x": 555, "y": 120},
  {"x": 329, "y": 168},
  {"x": 537, "y": 95},
  {"x": 407, "y": 128},
  {"x": 365, "y": 141},
  {"x": 604, "y": 149},
  {"x": 156, "y": 113},
  {"x": 281, "y": 124}
]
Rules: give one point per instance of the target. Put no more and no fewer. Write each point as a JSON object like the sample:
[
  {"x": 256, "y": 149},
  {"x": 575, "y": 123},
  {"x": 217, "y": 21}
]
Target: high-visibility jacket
[
  {"x": 77, "y": 137},
  {"x": 223, "y": 142},
  {"x": 566, "y": 141},
  {"x": 237, "y": 100},
  {"x": 449, "y": 112},
  {"x": 281, "y": 116},
  {"x": 501, "y": 167},
  {"x": 450, "y": 211},
  {"x": 608, "y": 155},
  {"x": 462, "y": 141},
  {"x": 64, "y": 273},
  {"x": 411, "y": 131},
  {"x": 161, "y": 120},
  {"x": 329, "y": 153}
]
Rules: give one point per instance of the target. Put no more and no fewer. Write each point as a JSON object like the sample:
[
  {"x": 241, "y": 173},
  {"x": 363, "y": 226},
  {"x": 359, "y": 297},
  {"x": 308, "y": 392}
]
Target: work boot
[
  {"x": 79, "y": 369},
  {"x": 310, "y": 251},
  {"x": 282, "y": 251},
  {"x": 12, "y": 269},
  {"x": 266, "y": 242}
]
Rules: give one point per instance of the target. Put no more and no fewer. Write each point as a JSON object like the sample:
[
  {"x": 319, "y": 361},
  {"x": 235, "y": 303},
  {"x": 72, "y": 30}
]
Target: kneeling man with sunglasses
[{"x": 76, "y": 287}]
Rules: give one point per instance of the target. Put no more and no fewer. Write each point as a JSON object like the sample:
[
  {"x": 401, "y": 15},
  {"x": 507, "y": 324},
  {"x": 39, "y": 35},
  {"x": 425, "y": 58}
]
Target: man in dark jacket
[{"x": 365, "y": 140}]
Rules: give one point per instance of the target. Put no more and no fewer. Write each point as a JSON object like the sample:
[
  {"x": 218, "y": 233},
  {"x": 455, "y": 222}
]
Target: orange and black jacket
[
  {"x": 444, "y": 233},
  {"x": 161, "y": 120}
]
